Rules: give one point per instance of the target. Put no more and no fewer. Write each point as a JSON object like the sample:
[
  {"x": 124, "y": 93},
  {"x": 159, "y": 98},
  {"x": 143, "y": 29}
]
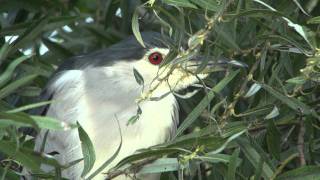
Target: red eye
[{"x": 155, "y": 58}]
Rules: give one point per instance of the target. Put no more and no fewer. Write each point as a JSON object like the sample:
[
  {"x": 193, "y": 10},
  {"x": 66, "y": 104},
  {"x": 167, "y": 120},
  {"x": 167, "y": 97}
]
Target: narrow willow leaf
[
  {"x": 204, "y": 103},
  {"x": 232, "y": 167},
  {"x": 53, "y": 23},
  {"x": 4, "y": 51},
  {"x": 298, "y": 28},
  {"x": 253, "y": 156},
  {"x": 89, "y": 155},
  {"x": 258, "y": 171},
  {"x": 302, "y": 173},
  {"x": 180, "y": 3},
  {"x": 147, "y": 154},
  {"x": 273, "y": 140},
  {"x": 46, "y": 122},
  {"x": 162, "y": 165},
  {"x": 134, "y": 118},
  {"x": 135, "y": 27},
  {"x": 227, "y": 37},
  {"x": 191, "y": 138},
  {"x": 289, "y": 40},
  {"x": 256, "y": 111},
  {"x": 7, "y": 74},
  {"x": 315, "y": 20},
  {"x": 17, "y": 119},
  {"x": 29, "y": 106},
  {"x": 274, "y": 113},
  {"x": 138, "y": 77},
  {"x": 164, "y": 23},
  {"x": 291, "y": 102},
  {"x": 27, "y": 157},
  {"x": 30, "y": 34},
  {"x": 257, "y": 13},
  {"x": 297, "y": 80},
  {"x": 212, "y": 5},
  {"x": 57, "y": 49},
  {"x": 253, "y": 90},
  {"x": 300, "y": 7},
  {"x": 12, "y": 87},
  {"x": 231, "y": 138},
  {"x": 218, "y": 158}
]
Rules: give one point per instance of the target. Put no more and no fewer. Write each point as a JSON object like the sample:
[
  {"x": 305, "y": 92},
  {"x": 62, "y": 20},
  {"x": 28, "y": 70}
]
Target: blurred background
[{"x": 260, "y": 122}]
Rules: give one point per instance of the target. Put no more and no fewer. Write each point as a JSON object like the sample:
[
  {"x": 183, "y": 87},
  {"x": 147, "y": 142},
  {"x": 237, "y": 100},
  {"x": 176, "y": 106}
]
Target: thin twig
[
  {"x": 133, "y": 168},
  {"x": 301, "y": 143},
  {"x": 283, "y": 165}
]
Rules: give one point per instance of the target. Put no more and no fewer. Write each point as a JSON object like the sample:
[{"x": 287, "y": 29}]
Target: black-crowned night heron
[{"x": 100, "y": 90}]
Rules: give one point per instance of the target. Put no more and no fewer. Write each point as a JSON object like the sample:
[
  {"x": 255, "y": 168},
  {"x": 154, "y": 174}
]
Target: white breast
[{"x": 98, "y": 107}]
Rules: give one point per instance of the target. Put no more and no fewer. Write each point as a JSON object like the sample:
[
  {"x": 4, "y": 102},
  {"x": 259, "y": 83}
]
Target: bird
[{"x": 102, "y": 91}]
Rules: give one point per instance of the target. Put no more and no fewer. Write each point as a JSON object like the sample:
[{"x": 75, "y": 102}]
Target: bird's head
[
  {"x": 160, "y": 77},
  {"x": 150, "y": 67}
]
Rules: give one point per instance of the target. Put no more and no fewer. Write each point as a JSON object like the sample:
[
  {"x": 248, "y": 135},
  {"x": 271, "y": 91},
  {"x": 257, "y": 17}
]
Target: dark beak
[{"x": 205, "y": 64}]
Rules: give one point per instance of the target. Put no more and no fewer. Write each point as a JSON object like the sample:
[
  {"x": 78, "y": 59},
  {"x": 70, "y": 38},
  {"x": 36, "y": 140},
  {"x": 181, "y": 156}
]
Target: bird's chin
[{"x": 184, "y": 81}]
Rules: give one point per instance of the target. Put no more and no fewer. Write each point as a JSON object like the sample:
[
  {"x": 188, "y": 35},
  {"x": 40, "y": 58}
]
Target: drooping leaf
[
  {"x": 135, "y": 27},
  {"x": 204, "y": 103},
  {"x": 88, "y": 152}
]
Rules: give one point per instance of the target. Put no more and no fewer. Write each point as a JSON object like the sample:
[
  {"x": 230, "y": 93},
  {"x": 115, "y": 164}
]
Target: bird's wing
[{"x": 66, "y": 91}]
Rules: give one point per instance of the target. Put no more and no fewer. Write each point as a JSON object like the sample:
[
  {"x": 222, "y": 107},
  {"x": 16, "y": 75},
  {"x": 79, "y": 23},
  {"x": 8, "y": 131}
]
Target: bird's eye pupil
[{"x": 155, "y": 58}]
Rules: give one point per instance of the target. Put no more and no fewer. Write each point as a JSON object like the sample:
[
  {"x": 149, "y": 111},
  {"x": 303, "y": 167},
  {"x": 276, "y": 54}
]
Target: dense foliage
[{"x": 259, "y": 122}]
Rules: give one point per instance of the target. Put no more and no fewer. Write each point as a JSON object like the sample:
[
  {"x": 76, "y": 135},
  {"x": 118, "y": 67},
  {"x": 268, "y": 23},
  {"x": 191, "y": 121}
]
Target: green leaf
[
  {"x": 134, "y": 118},
  {"x": 162, "y": 165},
  {"x": 89, "y": 155},
  {"x": 138, "y": 77},
  {"x": 46, "y": 122},
  {"x": 29, "y": 106},
  {"x": 297, "y": 80},
  {"x": 212, "y": 5},
  {"x": 53, "y": 23},
  {"x": 135, "y": 27},
  {"x": 254, "y": 157},
  {"x": 314, "y": 20},
  {"x": 57, "y": 49},
  {"x": 232, "y": 167},
  {"x": 291, "y": 102},
  {"x": 253, "y": 90},
  {"x": 180, "y": 3},
  {"x": 17, "y": 119},
  {"x": 274, "y": 113},
  {"x": 30, "y": 34},
  {"x": 12, "y": 87},
  {"x": 148, "y": 153},
  {"x": 298, "y": 28},
  {"x": 289, "y": 40},
  {"x": 27, "y": 157},
  {"x": 228, "y": 140},
  {"x": 7, "y": 74},
  {"x": 258, "y": 171},
  {"x": 192, "y": 117},
  {"x": 273, "y": 140},
  {"x": 4, "y": 51},
  {"x": 302, "y": 173}
]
